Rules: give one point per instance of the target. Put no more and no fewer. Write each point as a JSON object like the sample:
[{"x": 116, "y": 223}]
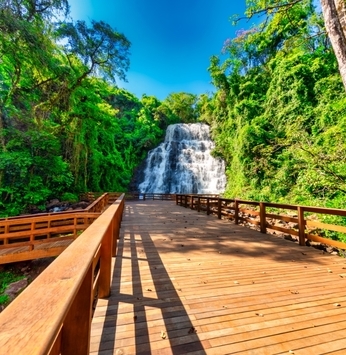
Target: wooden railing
[
  {"x": 96, "y": 205},
  {"x": 298, "y": 220},
  {"x": 42, "y": 236},
  {"x": 53, "y": 315},
  {"x": 92, "y": 196},
  {"x": 149, "y": 196},
  {"x": 45, "y": 234}
]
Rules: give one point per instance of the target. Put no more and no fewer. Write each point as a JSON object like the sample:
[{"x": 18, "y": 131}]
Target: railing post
[
  {"x": 106, "y": 263},
  {"x": 192, "y": 201},
  {"x": 115, "y": 233},
  {"x": 208, "y": 206},
  {"x": 219, "y": 208},
  {"x": 185, "y": 201},
  {"x": 236, "y": 212},
  {"x": 301, "y": 225},
  {"x": 199, "y": 204},
  {"x": 75, "y": 337},
  {"x": 263, "y": 221}
]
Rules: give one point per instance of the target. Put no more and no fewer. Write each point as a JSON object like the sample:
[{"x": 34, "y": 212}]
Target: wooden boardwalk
[{"x": 187, "y": 283}]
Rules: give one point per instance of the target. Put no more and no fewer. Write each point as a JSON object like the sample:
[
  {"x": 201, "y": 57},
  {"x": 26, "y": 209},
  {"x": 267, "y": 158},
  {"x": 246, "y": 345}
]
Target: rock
[
  {"x": 52, "y": 203},
  {"x": 289, "y": 237},
  {"x": 80, "y": 205},
  {"x": 34, "y": 209},
  {"x": 331, "y": 250},
  {"x": 319, "y": 246},
  {"x": 15, "y": 288}
]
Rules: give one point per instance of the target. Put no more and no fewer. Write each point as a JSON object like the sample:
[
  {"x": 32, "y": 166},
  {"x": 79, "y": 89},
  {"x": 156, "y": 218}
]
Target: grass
[{"x": 6, "y": 278}]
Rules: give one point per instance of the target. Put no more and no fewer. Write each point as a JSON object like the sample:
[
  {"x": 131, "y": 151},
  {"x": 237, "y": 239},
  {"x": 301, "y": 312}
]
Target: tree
[
  {"x": 183, "y": 105},
  {"x": 26, "y": 48},
  {"x": 334, "y": 14},
  {"x": 103, "y": 51}
]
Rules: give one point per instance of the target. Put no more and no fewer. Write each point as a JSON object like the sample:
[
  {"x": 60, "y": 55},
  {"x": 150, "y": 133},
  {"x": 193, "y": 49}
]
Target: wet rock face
[
  {"x": 183, "y": 163},
  {"x": 138, "y": 177},
  {"x": 15, "y": 288}
]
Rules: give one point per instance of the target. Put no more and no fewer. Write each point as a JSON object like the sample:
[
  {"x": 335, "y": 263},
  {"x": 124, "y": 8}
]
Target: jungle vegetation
[
  {"x": 278, "y": 116},
  {"x": 278, "y": 113},
  {"x": 65, "y": 126}
]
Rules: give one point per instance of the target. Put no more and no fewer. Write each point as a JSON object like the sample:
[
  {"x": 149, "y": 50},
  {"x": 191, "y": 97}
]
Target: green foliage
[
  {"x": 6, "y": 278},
  {"x": 64, "y": 127},
  {"x": 70, "y": 197},
  {"x": 278, "y": 117},
  {"x": 100, "y": 48},
  {"x": 4, "y": 299},
  {"x": 182, "y": 106}
]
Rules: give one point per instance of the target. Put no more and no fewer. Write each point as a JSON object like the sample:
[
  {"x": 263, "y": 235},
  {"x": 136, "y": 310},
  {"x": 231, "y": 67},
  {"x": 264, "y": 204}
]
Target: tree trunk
[{"x": 334, "y": 13}]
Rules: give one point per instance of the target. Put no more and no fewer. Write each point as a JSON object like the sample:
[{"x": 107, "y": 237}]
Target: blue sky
[{"x": 171, "y": 41}]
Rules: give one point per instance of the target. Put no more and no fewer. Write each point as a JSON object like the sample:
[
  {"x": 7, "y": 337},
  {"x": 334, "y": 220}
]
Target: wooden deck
[{"x": 187, "y": 283}]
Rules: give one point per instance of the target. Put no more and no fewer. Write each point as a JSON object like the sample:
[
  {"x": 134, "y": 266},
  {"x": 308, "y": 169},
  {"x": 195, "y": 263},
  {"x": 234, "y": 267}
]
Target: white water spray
[{"x": 183, "y": 164}]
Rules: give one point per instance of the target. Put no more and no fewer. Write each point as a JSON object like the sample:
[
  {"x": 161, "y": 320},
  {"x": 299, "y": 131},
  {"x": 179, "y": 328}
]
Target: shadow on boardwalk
[
  {"x": 187, "y": 283},
  {"x": 176, "y": 321}
]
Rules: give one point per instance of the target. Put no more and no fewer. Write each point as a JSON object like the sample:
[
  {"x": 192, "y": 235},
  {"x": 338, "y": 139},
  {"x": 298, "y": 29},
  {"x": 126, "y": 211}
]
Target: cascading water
[{"x": 183, "y": 164}]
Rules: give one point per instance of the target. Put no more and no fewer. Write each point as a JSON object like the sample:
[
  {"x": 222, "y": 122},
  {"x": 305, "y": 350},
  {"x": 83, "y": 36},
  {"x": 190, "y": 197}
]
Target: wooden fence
[
  {"x": 45, "y": 234},
  {"x": 296, "y": 220},
  {"x": 149, "y": 196},
  {"x": 53, "y": 315}
]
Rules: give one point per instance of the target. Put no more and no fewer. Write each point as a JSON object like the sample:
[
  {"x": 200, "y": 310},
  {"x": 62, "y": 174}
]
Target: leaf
[{"x": 163, "y": 334}]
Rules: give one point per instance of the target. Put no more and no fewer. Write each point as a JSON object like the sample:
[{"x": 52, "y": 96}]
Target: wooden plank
[
  {"x": 282, "y": 218},
  {"x": 249, "y": 212},
  {"x": 250, "y": 203},
  {"x": 331, "y": 227},
  {"x": 334, "y": 243},
  {"x": 32, "y": 254},
  {"x": 249, "y": 220},
  {"x": 281, "y": 206},
  {"x": 214, "y": 288},
  {"x": 283, "y": 229},
  {"x": 44, "y": 232},
  {"x": 53, "y": 300}
]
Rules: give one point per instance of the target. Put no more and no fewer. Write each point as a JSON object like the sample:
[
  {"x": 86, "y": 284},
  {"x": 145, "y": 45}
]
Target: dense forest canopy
[
  {"x": 278, "y": 113},
  {"x": 278, "y": 116},
  {"x": 65, "y": 126}
]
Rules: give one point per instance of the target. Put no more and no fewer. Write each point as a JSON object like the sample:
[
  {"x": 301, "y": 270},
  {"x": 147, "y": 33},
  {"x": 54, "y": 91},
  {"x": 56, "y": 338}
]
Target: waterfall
[{"x": 183, "y": 164}]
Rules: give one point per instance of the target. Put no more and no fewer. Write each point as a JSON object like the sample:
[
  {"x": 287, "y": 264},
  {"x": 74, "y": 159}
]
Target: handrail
[
  {"x": 53, "y": 315},
  {"x": 99, "y": 204},
  {"x": 95, "y": 206},
  {"x": 149, "y": 196},
  {"x": 40, "y": 237},
  {"x": 232, "y": 209}
]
